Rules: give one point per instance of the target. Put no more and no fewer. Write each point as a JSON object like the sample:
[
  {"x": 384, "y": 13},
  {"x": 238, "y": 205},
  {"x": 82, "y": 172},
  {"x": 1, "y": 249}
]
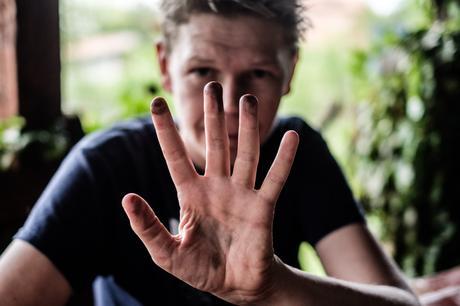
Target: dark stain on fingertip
[
  {"x": 250, "y": 104},
  {"x": 138, "y": 201},
  {"x": 215, "y": 90},
  {"x": 158, "y": 106}
]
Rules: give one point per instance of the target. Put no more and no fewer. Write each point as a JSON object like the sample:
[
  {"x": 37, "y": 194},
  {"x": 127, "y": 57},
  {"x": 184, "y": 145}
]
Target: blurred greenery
[
  {"x": 407, "y": 130},
  {"x": 105, "y": 90},
  {"x": 16, "y": 142},
  {"x": 10, "y": 142},
  {"x": 309, "y": 260}
]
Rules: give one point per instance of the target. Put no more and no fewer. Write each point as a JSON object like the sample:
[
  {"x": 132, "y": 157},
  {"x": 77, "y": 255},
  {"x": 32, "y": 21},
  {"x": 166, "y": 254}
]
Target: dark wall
[{"x": 38, "y": 57}]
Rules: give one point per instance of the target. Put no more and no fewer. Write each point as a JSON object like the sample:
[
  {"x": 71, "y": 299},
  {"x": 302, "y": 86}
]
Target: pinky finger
[
  {"x": 279, "y": 171},
  {"x": 156, "y": 238}
]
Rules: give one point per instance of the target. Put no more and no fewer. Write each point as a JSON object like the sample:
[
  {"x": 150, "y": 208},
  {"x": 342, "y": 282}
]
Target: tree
[{"x": 407, "y": 137}]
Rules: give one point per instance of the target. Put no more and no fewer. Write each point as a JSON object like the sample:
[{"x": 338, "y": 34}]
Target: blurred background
[{"x": 380, "y": 79}]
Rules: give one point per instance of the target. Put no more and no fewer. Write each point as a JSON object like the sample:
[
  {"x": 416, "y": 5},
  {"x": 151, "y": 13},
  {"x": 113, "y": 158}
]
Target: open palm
[{"x": 224, "y": 245}]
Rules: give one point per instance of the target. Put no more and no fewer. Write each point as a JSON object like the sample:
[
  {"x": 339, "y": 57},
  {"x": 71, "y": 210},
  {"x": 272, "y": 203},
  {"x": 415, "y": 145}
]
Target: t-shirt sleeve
[
  {"x": 66, "y": 224},
  {"x": 327, "y": 201}
]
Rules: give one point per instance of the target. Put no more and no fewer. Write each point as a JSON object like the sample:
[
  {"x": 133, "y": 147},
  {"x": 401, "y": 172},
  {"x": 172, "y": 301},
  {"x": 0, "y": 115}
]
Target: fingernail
[
  {"x": 214, "y": 89},
  {"x": 250, "y": 104},
  {"x": 158, "y": 106}
]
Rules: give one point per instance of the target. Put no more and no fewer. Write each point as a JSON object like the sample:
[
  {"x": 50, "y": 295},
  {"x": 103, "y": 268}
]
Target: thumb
[{"x": 156, "y": 238}]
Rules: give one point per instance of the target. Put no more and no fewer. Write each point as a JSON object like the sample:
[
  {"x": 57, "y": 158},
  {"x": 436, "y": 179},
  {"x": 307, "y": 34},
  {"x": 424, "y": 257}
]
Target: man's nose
[{"x": 232, "y": 91}]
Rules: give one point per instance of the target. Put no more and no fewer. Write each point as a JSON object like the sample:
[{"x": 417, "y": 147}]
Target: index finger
[{"x": 179, "y": 164}]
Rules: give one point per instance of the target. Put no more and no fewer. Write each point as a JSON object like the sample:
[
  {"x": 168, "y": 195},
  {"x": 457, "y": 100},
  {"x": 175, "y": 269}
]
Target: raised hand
[{"x": 224, "y": 245}]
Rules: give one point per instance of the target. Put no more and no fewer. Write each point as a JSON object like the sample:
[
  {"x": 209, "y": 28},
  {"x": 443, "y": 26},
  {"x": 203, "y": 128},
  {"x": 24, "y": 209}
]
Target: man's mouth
[{"x": 233, "y": 138}]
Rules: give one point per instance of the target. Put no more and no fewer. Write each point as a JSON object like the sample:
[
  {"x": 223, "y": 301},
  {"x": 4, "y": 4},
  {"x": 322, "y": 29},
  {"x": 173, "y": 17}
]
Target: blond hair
[{"x": 289, "y": 14}]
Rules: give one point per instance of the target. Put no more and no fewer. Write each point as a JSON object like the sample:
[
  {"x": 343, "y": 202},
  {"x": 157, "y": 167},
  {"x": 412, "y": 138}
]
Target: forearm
[
  {"x": 294, "y": 287},
  {"x": 27, "y": 277}
]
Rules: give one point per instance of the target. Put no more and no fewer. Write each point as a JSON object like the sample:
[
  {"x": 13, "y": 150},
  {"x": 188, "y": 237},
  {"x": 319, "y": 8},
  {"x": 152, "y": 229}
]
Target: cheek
[
  {"x": 267, "y": 112},
  {"x": 189, "y": 105},
  {"x": 269, "y": 94}
]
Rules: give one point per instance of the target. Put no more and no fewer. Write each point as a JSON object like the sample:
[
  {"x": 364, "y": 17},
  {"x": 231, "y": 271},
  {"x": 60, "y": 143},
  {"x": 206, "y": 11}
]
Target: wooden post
[
  {"x": 38, "y": 60},
  {"x": 8, "y": 76}
]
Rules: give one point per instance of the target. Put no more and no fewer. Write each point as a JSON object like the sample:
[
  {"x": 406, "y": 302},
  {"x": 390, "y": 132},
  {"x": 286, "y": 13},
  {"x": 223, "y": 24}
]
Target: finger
[
  {"x": 156, "y": 238},
  {"x": 247, "y": 158},
  {"x": 217, "y": 147},
  {"x": 279, "y": 171},
  {"x": 172, "y": 146},
  {"x": 443, "y": 297}
]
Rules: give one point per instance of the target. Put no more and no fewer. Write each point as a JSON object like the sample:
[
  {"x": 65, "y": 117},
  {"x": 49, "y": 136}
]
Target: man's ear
[
  {"x": 163, "y": 62},
  {"x": 290, "y": 73}
]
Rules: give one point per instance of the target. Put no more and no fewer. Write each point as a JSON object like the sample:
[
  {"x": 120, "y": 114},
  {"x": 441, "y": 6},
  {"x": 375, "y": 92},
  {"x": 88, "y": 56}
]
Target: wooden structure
[
  {"x": 30, "y": 87},
  {"x": 8, "y": 83},
  {"x": 38, "y": 62}
]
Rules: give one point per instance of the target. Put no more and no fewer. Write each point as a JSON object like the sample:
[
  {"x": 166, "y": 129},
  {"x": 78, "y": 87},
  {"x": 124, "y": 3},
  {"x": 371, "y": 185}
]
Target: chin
[{"x": 232, "y": 156}]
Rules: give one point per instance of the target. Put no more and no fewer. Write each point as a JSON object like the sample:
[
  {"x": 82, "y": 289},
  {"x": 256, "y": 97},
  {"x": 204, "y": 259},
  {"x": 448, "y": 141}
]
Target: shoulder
[
  {"x": 130, "y": 132},
  {"x": 129, "y": 143},
  {"x": 309, "y": 137},
  {"x": 294, "y": 123},
  {"x": 312, "y": 149},
  {"x": 305, "y": 130},
  {"x": 312, "y": 152}
]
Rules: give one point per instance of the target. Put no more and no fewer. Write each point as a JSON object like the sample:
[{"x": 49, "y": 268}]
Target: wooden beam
[
  {"x": 8, "y": 77},
  {"x": 38, "y": 59}
]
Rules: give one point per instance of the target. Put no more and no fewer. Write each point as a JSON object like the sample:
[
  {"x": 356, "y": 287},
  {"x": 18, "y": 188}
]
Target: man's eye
[
  {"x": 202, "y": 72},
  {"x": 260, "y": 74}
]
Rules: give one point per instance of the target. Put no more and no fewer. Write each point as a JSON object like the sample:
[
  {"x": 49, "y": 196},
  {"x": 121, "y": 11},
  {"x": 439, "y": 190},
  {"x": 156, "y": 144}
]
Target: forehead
[{"x": 210, "y": 35}]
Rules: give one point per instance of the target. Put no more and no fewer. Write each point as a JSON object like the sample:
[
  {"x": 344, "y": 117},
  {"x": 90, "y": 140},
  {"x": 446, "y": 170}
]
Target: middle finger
[
  {"x": 217, "y": 147},
  {"x": 247, "y": 158}
]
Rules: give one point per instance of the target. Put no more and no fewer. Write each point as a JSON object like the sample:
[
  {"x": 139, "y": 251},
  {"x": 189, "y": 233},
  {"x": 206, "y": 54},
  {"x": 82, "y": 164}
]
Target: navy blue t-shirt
[{"x": 79, "y": 223}]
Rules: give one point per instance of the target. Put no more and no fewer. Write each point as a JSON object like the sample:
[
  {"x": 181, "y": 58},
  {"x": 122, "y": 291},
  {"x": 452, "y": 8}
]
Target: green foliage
[
  {"x": 10, "y": 141},
  {"x": 104, "y": 88},
  {"x": 81, "y": 19},
  {"x": 16, "y": 142},
  {"x": 407, "y": 130},
  {"x": 309, "y": 260}
]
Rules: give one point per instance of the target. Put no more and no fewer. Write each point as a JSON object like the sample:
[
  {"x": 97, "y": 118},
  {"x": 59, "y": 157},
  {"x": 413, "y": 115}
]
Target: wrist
[{"x": 277, "y": 288}]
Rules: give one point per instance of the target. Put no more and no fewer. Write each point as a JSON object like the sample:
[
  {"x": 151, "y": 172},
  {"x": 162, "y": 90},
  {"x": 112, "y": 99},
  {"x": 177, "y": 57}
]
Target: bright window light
[{"x": 384, "y": 7}]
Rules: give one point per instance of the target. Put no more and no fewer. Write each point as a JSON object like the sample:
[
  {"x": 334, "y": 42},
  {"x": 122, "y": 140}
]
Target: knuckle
[
  {"x": 276, "y": 179},
  {"x": 247, "y": 156},
  {"x": 175, "y": 155},
  {"x": 217, "y": 143},
  {"x": 164, "y": 124},
  {"x": 287, "y": 159},
  {"x": 250, "y": 123},
  {"x": 149, "y": 228}
]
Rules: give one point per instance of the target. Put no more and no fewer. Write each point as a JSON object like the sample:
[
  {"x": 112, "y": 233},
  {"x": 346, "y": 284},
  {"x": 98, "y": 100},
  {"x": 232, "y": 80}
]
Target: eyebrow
[
  {"x": 265, "y": 62},
  {"x": 199, "y": 60}
]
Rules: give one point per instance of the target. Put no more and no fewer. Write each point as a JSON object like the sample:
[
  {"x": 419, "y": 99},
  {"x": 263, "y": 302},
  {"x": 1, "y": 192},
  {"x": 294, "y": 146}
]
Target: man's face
[{"x": 243, "y": 53}]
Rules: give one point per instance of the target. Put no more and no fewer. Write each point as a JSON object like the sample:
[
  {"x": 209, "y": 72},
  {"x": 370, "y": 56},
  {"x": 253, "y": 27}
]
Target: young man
[{"x": 221, "y": 219}]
